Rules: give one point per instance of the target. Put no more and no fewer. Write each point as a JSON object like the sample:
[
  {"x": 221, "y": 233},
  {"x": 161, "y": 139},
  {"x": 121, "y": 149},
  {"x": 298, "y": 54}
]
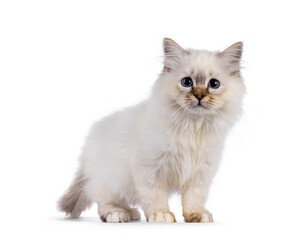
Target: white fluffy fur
[{"x": 140, "y": 155}]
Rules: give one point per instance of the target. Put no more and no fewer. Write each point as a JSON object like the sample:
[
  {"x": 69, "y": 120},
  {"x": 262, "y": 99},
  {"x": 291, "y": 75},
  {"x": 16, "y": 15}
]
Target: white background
[{"x": 66, "y": 64}]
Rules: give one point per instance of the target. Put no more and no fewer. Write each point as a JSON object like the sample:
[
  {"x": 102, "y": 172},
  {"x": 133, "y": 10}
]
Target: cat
[{"x": 171, "y": 142}]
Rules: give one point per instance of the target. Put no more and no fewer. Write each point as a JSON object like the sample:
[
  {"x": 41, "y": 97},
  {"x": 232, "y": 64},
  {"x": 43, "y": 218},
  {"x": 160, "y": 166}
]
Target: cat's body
[{"x": 170, "y": 142}]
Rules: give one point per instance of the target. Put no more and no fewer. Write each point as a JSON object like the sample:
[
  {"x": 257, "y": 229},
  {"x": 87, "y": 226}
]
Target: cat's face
[{"x": 201, "y": 82}]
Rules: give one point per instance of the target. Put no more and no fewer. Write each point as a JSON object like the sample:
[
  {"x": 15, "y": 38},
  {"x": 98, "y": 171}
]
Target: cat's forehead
[
  {"x": 199, "y": 75},
  {"x": 201, "y": 65}
]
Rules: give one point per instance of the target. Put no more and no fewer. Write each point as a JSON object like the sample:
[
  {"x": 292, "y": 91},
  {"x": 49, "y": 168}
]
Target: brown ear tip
[
  {"x": 239, "y": 44},
  {"x": 167, "y": 40},
  {"x": 236, "y": 46}
]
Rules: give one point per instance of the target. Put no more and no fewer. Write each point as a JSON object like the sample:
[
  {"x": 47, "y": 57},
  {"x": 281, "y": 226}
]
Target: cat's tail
[{"x": 75, "y": 200}]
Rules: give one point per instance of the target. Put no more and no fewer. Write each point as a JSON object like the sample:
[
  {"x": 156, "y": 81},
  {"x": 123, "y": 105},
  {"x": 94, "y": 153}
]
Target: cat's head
[{"x": 201, "y": 82}]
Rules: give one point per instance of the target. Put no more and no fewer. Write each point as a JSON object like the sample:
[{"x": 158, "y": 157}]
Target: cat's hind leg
[
  {"x": 117, "y": 212},
  {"x": 111, "y": 212}
]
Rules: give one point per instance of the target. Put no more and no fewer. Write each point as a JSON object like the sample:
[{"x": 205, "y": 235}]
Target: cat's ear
[
  {"x": 231, "y": 57},
  {"x": 173, "y": 54}
]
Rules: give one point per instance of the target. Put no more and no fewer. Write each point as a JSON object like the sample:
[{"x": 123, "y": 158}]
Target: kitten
[{"x": 170, "y": 142}]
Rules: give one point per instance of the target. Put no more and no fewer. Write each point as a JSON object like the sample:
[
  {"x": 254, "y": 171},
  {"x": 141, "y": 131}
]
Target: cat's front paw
[
  {"x": 162, "y": 217},
  {"x": 203, "y": 216}
]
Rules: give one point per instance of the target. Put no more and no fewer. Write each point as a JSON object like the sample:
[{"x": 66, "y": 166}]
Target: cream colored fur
[{"x": 142, "y": 154}]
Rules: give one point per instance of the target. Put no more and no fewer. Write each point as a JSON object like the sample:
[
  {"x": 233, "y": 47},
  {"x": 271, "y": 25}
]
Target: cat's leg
[
  {"x": 117, "y": 212},
  {"x": 194, "y": 196},
  {"x": 154, "y": 202},
  {"x": 111, "y": 212}
]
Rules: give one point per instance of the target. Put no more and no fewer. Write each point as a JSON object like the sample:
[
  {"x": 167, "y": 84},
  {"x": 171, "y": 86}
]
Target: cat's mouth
[
  {"x": 200, "y": 105},
  {"x": 198, "y": 109}
]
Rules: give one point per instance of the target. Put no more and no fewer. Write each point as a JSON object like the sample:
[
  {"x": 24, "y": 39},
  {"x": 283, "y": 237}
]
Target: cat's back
[{"x": 115, "y": 131}]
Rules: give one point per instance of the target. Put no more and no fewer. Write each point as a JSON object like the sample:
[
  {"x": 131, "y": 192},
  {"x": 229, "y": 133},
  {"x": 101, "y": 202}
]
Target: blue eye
[
  {"x": 214, "y": 83},
  {"x": 187, "y": 82}
]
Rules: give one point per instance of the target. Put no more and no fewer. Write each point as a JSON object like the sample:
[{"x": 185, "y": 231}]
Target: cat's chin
[{"x": 199, "y": 110}]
